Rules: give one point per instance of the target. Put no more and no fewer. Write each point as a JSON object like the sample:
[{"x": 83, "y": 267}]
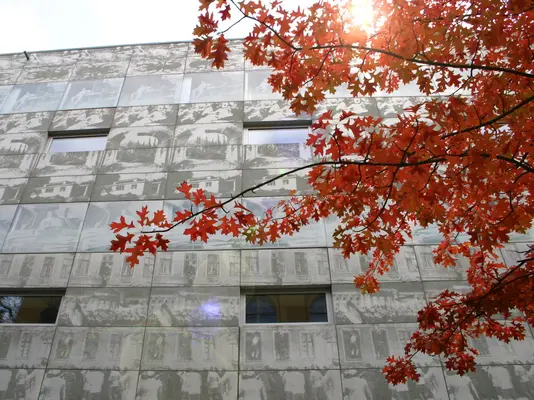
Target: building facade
[{"x": 88, "y": 135}]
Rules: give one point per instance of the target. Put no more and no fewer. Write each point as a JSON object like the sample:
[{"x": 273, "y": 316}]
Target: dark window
[
  {"x": 284, "y": 308},
  {"x": 29, "y": 309}
]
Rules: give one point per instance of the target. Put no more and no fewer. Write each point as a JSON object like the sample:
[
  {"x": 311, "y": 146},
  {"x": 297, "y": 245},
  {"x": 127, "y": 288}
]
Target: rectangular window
[
  {"x": 133, "y": 187},
  {"x": 31, "y": 308},
  {"x": 273, "y": 308},
  {"x": 276, "y": 135},
  {"x": 62, "y": 144},
  {"x": 119, "y": 188},
  {"x": 49, "y": 190}
]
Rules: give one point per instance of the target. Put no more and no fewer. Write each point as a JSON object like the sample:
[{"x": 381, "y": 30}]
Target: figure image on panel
[
  {"x": 90, "y": 348},
  {"x": 301, "y": 264},
  {"x": 381, "y": 344},
  {"x": 185, "y": 351},
  {"x": 251, "y": 386},
  {"x": 356, "y": 387},
  {"x": 64, "y": 346},
  {"x": 461, "y": 388},
  {"x": 150, "y": 387},
  {"x": 352, "y": 343},
  {"x": 156, "y": 346},
  {"x": 190, "y": 267},
  {"x": 294, "y": 385},
  {"x": 277, "y": 266},
  {"x": 321, "y": 385},
  {"x": 24, "y": 384},
  {"x": 216, "y": 385},
  {"x": 253, "y": 346},
  {"x": 281, "y": 346},
  {"x": 191, "y": 386},
  {"x": 93, "y": 385}
]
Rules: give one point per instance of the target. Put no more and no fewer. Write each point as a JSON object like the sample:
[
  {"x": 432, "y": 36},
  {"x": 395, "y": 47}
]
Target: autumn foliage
[{"x": 463, "y": 161}]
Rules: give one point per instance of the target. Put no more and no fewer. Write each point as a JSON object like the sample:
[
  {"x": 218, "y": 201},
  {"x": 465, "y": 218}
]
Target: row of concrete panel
[
  {"x": 252, "y": 347},
  {"x": 274, "y": 267}
]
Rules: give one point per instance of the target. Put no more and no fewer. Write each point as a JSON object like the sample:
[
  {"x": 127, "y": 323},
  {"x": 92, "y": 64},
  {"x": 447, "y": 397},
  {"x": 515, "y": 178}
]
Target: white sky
[{"x": 33, "y": 25}]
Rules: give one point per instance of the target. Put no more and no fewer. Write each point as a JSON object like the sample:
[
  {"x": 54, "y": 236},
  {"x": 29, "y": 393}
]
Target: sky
[{"x": 32, "y": 25}]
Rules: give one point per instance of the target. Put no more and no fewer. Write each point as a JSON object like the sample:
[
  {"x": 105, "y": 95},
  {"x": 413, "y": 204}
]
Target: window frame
[
  {"x": 75, "y": 135},
  {"x": 326, "y": 290},
  {"x": 45, "y": 292}
]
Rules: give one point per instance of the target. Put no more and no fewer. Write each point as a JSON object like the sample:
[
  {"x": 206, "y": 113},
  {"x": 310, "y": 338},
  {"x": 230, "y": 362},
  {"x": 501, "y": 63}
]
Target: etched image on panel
[
  {"x": 34, "y": 97},
  {"x": 61, "y": 57},
  {"x": 283, "y": 186},
  {"x": 208, "y": 113},
  {"x": 190, "y": 348},
  {"x": 25, "y": 122},
  {"x": 142, "y": 137},
  {"x": 7, "y": 212},
  {"x": 194, "y": 306},
  {"x": 206, "y": 158},
  {"x": 35, "y": 270},
  {"x": 11, "y": 190},
  {"x": 295, "y": 385},
  {"x": 45, "y": 228},
  {"x": 220, "y": 183},
  {"x": 167, "y": 385},
  {"x": 285, "y": 267},
  {"x": 99, "y": 70},
  {"x": 97, "y": 118},
  {"x": 311, "y": 235},
  {"x": 58, "y": 189},
  {"x": 145, "y": 115},
  {"x": 104, "y": 307},
  {"x": 272, "y": 110},
  {"x": 396, "y": 302},
  {"x": 208, "y": 134},
  {"x": 110, "y": 269},
  {"x": 25, "y": 346},
  {"x": 71, "y": 163},
  {"x": 432, "y": 271},
  {"x": 110, "y": 187},
  {"x": 368, "y": 384},
  {"x": 16, "y": 166},
  {"x": 219, "y": 268},
  {"x": 195, "y": 63},
  {"x": 134, "y": 161},
  {"x": 212, "y": 86},
  {"x": 20, "y": 383},
  {"x": 88, "y": 384},
  {"x": 97, "y": 348},
  {"x": 45, "y": 74},
  {"x": 156, "y": 66},
  {"x": 363, "y": 106},
  {"x": 145, "y": 90},
  {"x": 22, "y": 143},
  {"x": 253, "y": 346},
  {"x": 92, "y": 94}
]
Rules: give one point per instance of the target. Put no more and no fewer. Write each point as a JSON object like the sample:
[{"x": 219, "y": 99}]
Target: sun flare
[{"x": 362, "y": 13}]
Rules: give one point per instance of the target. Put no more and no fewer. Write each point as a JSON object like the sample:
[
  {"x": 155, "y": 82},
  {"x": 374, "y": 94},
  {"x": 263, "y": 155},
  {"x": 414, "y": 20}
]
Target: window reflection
[
  {"x": 146, "y": 90},
  {"x": 29, "y": 309},
  {"x": 92, "y": 94},
  {"x": 286, "y": 308},
  {"x": 279, "y": 135},
  {"x": 212, "y": 87},
  {"x": 257, "y": 87},
  {"x": 91, "y": 143},
  {"x": 34, "y": 97}
]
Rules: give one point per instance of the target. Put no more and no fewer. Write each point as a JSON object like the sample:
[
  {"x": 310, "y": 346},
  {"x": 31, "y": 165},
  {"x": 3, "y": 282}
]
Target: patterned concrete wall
[{"x": 174, "y": 326}]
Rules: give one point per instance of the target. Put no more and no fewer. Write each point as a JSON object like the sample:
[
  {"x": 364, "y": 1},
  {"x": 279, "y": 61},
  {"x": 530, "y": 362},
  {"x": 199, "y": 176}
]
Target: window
[
  {"x": 79, "y": 143},
  {"x": 119, "y": 188},
  {"x": 49, "y": 190},
  {"x": 62, "y": 188},
  {"x": 31, "y": 308},
  {"x": 271, "y": 308},
  {"x": 276, "y": 135},
  {"x": 208, "y": 184},
  {"x": 133, "y": 187}
]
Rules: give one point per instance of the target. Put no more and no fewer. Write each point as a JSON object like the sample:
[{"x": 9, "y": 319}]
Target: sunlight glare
[{"x": 362, "y": 13}]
